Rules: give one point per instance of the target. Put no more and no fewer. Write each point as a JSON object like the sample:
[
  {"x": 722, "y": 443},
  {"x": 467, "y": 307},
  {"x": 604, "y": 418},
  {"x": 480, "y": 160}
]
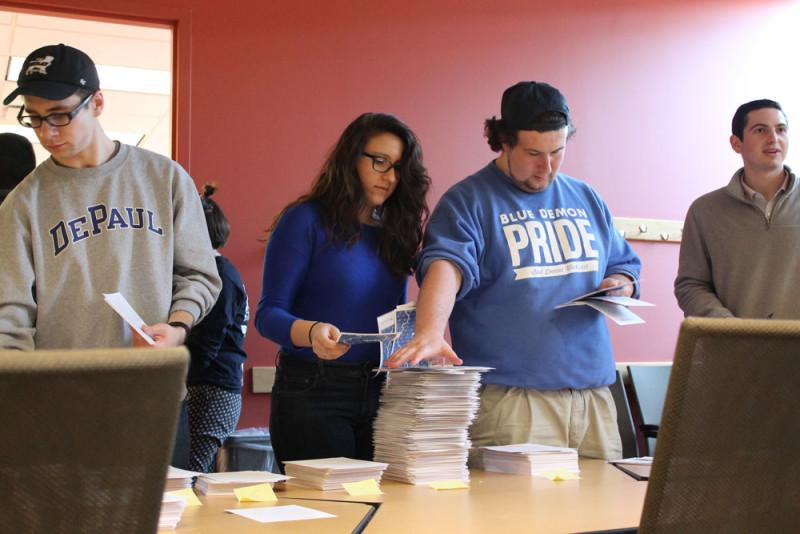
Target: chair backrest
[
  {"x": 649, "y": 383},
  {"x": 627, "y": 432},
  {"x": 727, "y": 458},
  {"x": 87, "y": 436}
]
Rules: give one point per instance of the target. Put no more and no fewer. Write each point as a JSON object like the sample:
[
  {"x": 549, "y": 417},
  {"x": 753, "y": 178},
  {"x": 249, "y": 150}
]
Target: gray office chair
[
  {"x": 727, "y": 458},
  {"x": 649, "y": 384},
  {"x": 87, "y": 436}
]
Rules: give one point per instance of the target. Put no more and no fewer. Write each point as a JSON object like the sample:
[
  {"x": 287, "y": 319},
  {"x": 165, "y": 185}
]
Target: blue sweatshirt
[
  {"x": 217, "y": 342},
  {"x": 309, "y": 276},
  {"x": 520, "y": 254}
]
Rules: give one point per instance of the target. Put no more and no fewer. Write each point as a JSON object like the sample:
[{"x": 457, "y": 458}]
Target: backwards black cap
[
  {"x": 524, "y": 102},
  {"x": 55, "y": 72}
]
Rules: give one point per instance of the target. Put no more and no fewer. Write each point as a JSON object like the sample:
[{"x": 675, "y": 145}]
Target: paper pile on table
[
  {"x": 529, "y": 459},
  {"x": 225, "y": 483},
  {"x": 178, "y": 479},
  {"x": 171, "y": 511},
  {"x": 422, "y": 422},
  {"x": 331, "y": 473}
]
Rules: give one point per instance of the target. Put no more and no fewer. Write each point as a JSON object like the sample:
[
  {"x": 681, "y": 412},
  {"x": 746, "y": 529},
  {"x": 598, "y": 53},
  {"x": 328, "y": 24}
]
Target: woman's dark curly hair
[{"x": 340, "y": 195}]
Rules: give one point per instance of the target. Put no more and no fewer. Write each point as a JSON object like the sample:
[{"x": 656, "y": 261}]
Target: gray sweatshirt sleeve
[
  {"x": 694, "y": 285},
  {"x": 195, "y": 281},
  {"x": 17, "y": 276}
]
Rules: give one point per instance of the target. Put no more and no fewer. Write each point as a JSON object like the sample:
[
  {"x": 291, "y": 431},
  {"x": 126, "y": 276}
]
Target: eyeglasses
[
  {"x": 53, "y": 119},
  {"x": 381, "y": 163}
]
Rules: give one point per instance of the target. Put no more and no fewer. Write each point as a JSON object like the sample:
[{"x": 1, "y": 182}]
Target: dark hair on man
[
  {"x": 739, "y": 122},
  {"x": 218, "y": 227},
  {"x": 498, "y": 133},
  {"x": 340, "y": 195},
  {"x": 17, "y": 160}
]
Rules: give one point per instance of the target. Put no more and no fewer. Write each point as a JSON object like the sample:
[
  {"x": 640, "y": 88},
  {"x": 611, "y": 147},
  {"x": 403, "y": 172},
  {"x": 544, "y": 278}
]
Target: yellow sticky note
[
  {"x": 188, "y": 496},
  {"x": 257, "y": 493},
  {"x": 363, "y": 487},
  {"x": 560, "y": 474},
  {"x": 449, "y": 484}
]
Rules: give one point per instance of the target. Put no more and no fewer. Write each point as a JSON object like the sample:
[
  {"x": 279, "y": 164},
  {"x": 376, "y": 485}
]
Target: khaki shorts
[{"x": 583, "y": 419}]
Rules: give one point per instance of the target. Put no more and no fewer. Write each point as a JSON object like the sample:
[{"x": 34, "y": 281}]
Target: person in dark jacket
[
  {"x": 17, "y": 160},
  {"x": 216, "y": 344}
]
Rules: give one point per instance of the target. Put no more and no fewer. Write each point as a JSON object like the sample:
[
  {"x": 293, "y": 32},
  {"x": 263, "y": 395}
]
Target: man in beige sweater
[{"x": 739, "y": 254}]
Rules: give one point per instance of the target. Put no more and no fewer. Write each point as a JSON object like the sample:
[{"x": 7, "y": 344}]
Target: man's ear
[
  {"x": 736, "y": 144},
  {"x": 98, "y": 103}
]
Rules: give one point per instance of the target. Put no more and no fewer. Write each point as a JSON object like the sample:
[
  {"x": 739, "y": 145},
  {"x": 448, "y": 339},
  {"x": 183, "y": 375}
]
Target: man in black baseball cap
[
  {"x": 97, "y": 217},
  {"x": 503, "y": 248}
]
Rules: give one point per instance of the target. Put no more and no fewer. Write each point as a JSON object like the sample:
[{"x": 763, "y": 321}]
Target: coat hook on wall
[{"x": 660, "y": 230}]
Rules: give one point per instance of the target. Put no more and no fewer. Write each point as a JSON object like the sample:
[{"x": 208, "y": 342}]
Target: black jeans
[{"x": 323, "y": 409}]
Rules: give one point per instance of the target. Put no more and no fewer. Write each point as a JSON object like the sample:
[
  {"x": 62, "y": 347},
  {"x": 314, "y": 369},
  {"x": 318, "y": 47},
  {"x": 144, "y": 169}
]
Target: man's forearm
[{"x": 437, "y": 297}]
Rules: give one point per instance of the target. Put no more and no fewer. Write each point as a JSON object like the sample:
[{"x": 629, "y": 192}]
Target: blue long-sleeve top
[
  {"x": 216, "y": 344},
  {"x": 520, "y": 254},
  {"x": 309, "y": 276}
]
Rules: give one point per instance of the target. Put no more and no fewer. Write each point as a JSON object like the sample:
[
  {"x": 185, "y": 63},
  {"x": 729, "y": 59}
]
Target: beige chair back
[
  {"x": 86, "y": 438},
  {"x": 727, "y": 457}
]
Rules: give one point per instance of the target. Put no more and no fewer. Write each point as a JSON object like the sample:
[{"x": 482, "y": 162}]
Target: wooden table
[
  {"x": 604, "y": 498},
  {"x": 211, "y": 518}
]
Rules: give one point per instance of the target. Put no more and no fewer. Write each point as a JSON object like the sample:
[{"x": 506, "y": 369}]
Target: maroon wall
[{"x": 264, "y": 89}]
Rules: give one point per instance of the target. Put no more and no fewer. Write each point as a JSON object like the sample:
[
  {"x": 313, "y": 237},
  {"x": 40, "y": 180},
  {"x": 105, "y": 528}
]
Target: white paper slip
[
  {"x": 613, "y": 307},
  {"x": 275, "y": 514},
  {"x": 642, "y": 460},
  {"x": 624, "y": 301},
  {"x": 352, "y": 338},
  {"x": 128, "y": 314},
  {"x": 177, "y": 472},
  {"x": 604, "y": 291},
  {"x": 619, "y": 314}
]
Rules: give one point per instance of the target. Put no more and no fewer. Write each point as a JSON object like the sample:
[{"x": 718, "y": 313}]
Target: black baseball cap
[
  {"x": 55, "y": 72},
  {"x": 522, "y": 104}
]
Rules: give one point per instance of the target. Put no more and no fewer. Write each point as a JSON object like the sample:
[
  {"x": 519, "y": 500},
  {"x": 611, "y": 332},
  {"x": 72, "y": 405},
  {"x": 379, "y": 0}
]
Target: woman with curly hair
[{"x": 337, "y": 258}]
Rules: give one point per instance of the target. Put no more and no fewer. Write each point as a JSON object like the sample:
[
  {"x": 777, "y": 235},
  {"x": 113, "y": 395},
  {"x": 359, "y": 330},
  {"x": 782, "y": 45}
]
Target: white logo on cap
[
  {"x": 83, "y": 82},
  {"x": 39, "y": 65}
]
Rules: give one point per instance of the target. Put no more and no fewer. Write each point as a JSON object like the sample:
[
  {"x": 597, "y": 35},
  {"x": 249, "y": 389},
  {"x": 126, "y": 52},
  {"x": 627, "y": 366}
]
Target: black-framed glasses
[
  {"x": 53, "y": 119},
  {"x": 382, "y": 164}
]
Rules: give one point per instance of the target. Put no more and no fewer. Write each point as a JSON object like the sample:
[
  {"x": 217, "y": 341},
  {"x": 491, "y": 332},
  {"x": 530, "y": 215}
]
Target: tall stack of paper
[
  {"x": 171, "y": 511},
  {"x": 422, "y": 422},
  {"x": 179, "y": 478},
  {"x": 331, "y": 473},
  {"x": 225, "y": 483},
  {"x": 529, "y": 459}
]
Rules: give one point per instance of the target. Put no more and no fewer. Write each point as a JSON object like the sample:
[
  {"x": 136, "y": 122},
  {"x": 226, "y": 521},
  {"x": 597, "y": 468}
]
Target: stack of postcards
[
  {"x": 422, "y": 422},
  {"x": 171, "y": 511},
  {"x": 178, "y": 479},
  {"x": 331, "y": 473},
  {"x": 529, "y": 459},
  {"x": 225, "y": 483}
]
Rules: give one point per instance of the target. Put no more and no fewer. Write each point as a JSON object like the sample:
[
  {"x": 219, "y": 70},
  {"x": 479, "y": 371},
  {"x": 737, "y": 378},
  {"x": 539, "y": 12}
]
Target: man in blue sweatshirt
[{"x": 502, "y": 249}]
